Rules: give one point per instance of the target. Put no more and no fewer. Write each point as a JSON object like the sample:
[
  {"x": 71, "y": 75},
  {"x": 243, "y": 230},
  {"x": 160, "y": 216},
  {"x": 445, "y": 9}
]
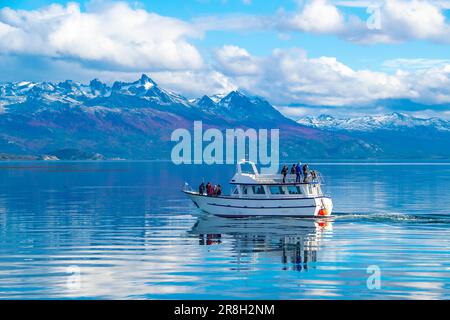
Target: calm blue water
[{"x": 123, "y": 230}]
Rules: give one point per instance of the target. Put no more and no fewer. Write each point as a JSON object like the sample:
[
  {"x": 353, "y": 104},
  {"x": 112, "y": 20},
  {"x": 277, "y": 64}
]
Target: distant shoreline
[{"x": 285, "y": 161}]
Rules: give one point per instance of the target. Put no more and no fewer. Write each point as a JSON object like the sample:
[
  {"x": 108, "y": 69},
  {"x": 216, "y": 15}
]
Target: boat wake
[{"x": 395, "y": 217}]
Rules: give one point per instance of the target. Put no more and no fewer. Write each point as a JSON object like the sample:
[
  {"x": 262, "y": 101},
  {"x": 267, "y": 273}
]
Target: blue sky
[
  {"x": 262, "y": 43},
  {"x": 319, "y": 53}
]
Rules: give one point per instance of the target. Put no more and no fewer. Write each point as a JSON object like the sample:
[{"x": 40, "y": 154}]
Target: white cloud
[
  {"x": 430, "y": 85},
  {"x": 297, "y": 112},
  {"x": 234, "y": 22},
  {"x": 192, "y": 83},
  {"x": 115, "y": 36},
  {"x": 390, "y": 21},
  {"x": 233, "y": 60},
  {"x": 396, "y": 21},
  {"x": 118, "y": 36},
  {"x": 5, "y": 29},
  {"x": 119, "y": 42},
  {"x": 289, "y": 76},
  {"x": 316, "y": 16},
  {"x": 414, "y": 64},
  {"x": 195, "y": 84},
  {"x": 403, "y": 20}
]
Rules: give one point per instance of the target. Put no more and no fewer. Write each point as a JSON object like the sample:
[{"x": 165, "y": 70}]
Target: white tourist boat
[{"x": 256, "y": 194}]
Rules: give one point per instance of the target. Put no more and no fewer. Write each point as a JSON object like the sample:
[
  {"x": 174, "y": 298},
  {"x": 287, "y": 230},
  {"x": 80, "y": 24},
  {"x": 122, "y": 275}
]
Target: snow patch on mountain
[
  {"x": 141, "y": 93},
  {"x": 75, "y": 93},
  {"x": 217, "y": 97},
  {"x": 392, "y": 121}
]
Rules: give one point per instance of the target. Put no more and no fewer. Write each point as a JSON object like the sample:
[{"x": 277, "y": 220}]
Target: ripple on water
[{"x": 130, "y": 239}]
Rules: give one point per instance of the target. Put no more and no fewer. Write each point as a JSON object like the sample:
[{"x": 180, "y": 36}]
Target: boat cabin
[{"x": 248, "y": 182}]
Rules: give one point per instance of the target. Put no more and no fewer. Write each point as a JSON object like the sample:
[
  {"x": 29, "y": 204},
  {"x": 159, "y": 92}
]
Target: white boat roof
[{"x": 256, "y": 178}]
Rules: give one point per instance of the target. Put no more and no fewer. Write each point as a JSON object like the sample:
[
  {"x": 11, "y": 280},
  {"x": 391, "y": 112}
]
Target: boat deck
[{"x": 275, "y": 179}]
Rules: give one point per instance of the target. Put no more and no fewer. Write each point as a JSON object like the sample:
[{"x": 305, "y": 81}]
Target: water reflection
[
  {"x": 130, "y": 231},
  {"x": 295, "y": 241}
]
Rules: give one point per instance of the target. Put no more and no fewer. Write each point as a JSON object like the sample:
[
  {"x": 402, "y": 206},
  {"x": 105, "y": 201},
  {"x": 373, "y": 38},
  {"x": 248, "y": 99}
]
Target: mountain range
[
  {"x": 398, "y": 134},
  {"x": 390, "y": 122},
  {"x": 134, "y": 120}
]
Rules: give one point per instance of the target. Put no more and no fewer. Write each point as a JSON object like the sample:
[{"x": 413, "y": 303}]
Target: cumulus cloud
[
  {"x": 115, "y": 36},
  {"x": 316, "y": 16},
  {"x": 386, "y": 22},
  {"x": 414, "y": 64},
  {"x": 390, "y": 21},
  {"x": 191, "y": 83},
  {"x": 415, "y": 20},
  {"x": 234, "y": 22},
  {"x": 236, "y": 61},
  {"x": 119, "y": 42},
  {"x": 289, "y": 76},
  {"x": 196, "y": 84},
  {"x": 118, "y": 36},
  {"x": 431, "y": 86}
]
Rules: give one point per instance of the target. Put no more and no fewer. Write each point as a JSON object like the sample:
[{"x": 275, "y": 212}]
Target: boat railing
[
  {"x": 319, "y": 178},
  {"x": 290, "y": 178},
  {"x": 187, "y": 187}
]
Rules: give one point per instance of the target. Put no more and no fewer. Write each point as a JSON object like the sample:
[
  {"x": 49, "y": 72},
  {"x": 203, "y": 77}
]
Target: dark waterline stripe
[
  {"x": 234, "y": 198},
  {"x": 240, "y": 207}
]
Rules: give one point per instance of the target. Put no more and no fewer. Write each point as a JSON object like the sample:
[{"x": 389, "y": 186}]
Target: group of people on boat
[
  {"x": 209, "y": 189},
  {"x": 301, "y": 172}
]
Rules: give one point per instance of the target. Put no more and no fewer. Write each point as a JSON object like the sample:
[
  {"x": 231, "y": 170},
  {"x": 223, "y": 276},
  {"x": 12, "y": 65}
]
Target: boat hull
[{"x": 243, "y": 207}]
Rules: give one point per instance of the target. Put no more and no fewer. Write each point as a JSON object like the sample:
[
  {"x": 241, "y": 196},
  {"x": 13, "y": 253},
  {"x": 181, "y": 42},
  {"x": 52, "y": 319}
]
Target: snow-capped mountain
[
  {"x": 142, "y": 93},
  {"x": 134, "y": 120},
  {"x": 78, "y": 93},
  {"x": 397, "y": 134},
  {"x": 217, "y": 97},
  {"x": 393, "y": 121},
  {"x": 239, "y": 106},
  {"x": 68, "y": 92},
  {"x": 146, "y": 88}
]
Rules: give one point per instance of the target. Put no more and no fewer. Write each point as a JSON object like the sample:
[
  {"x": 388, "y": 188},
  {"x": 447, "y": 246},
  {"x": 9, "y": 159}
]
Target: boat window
[
  {"x": 235, "y": 191},
  {"x": 276, "y": 190},
  {"x": 247, "y": 168},
  {"x": 258, "y": 190},
  {"x": 244, "y": 190},
  {"x": 294, "y": 190}
]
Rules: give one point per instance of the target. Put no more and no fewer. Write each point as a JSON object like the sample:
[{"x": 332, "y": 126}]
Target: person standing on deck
[
  {"x": 305, "y": 172},
  {"x": 298, "y": 173},
  {"x": 284, "y": 172},
  {"x": 209, "y": 189},
  {"x": 293, "y": 171},
  {"x": 201, "y": 188}
]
